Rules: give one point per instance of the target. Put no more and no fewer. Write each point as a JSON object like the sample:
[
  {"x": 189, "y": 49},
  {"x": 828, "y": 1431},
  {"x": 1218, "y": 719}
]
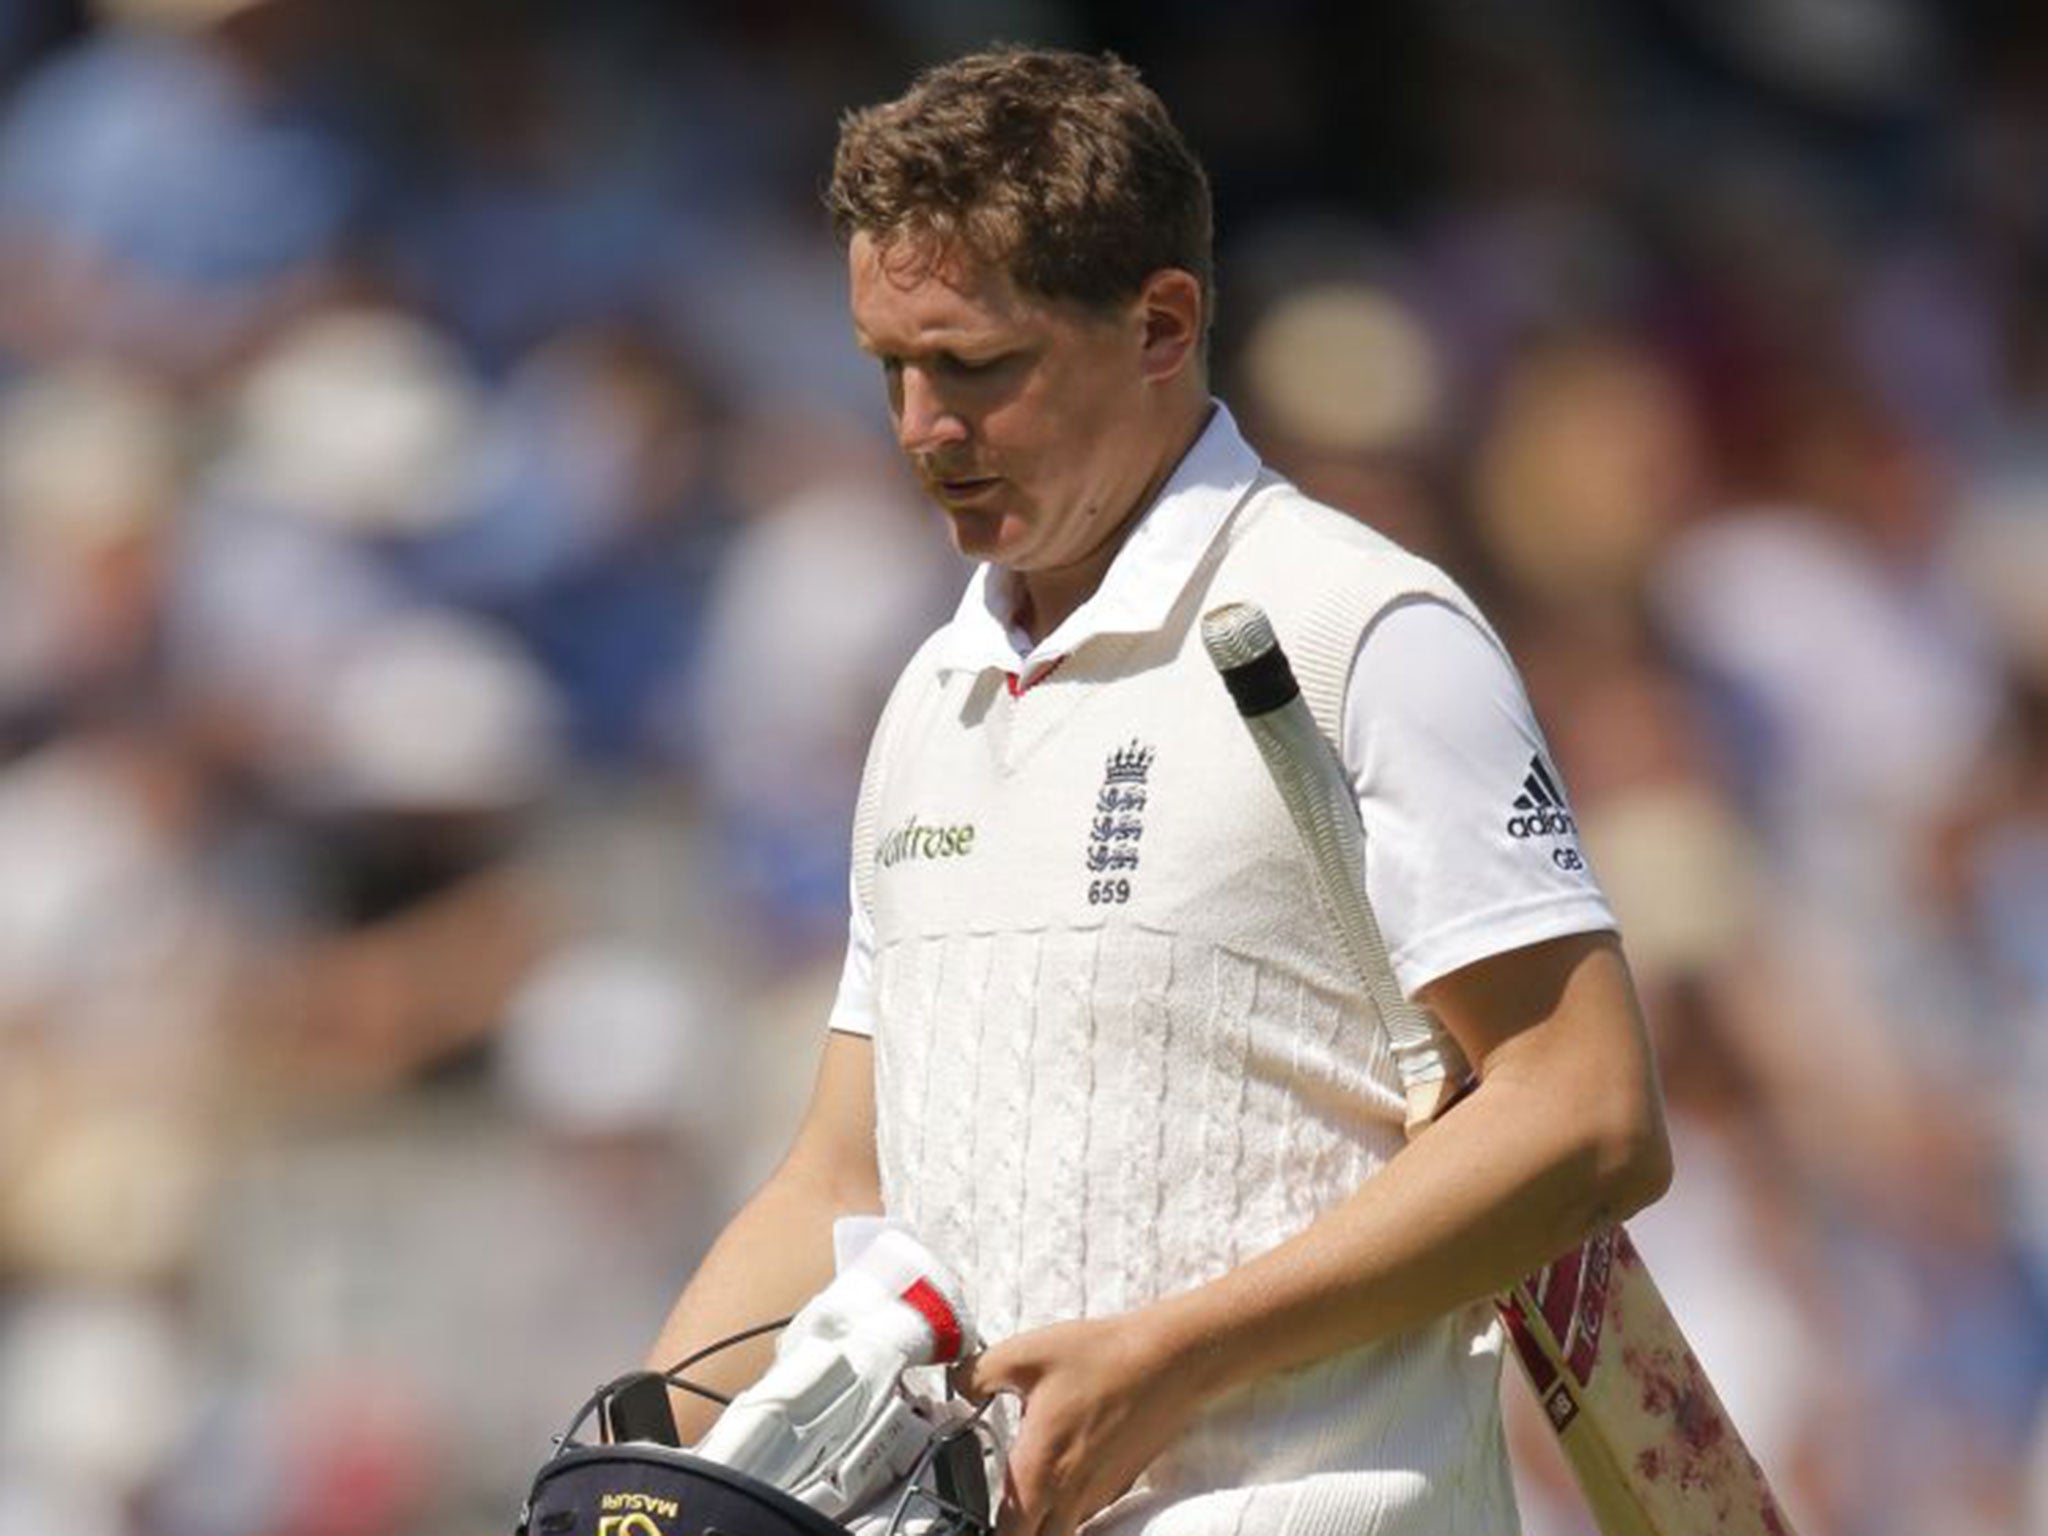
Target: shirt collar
[{"x": 1144, "y": 580}]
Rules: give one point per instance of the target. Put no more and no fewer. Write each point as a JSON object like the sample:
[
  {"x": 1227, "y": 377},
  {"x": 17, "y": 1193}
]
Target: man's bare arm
[
  {"x": 1564, "y": 1134},
  {"x": 777, "y": 1252}
]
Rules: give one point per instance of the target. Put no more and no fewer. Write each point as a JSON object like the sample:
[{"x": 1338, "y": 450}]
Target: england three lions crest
[{"x": 1117, "y": 824}]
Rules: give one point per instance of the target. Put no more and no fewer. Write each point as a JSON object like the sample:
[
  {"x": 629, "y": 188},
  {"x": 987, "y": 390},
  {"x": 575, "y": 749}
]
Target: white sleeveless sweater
[{"x": 1119, "y": 1050}]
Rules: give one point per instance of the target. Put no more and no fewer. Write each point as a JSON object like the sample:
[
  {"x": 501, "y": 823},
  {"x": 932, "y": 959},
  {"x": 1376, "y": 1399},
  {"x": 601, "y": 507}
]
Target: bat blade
[{"x": 1651, "y": 1447}]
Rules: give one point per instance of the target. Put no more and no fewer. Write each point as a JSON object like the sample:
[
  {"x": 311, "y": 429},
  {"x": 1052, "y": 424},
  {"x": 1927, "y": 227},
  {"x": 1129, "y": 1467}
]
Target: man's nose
[{"x": 924, "y": 421}]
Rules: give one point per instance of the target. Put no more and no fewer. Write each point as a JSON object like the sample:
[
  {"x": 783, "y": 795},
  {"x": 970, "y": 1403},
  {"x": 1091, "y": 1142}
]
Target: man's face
[{"x": 1024, "y": 419}]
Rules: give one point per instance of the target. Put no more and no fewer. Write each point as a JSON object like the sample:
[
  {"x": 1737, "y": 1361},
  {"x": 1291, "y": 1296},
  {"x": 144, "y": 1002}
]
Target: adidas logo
[{"x": 1540, "y": 809}]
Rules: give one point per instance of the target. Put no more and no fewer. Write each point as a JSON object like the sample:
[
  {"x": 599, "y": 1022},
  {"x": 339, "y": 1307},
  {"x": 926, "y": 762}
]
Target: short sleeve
[
  {"x": 1471, "y": 845},
  {"x": 853, "y": 1005}
]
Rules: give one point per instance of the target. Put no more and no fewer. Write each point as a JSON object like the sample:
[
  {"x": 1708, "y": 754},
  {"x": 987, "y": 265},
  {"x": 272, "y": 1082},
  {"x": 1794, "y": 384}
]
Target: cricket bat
[{"x": 1652, "y": 1449}]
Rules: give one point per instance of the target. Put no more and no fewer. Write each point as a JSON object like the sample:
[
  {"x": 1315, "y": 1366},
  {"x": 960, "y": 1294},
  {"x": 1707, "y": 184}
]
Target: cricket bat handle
[{"x": 1313, "y": 782}]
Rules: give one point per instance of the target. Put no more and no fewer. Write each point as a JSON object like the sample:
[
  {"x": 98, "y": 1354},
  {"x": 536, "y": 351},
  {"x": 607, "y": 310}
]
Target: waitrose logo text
[{"x": 915, "y": 840}]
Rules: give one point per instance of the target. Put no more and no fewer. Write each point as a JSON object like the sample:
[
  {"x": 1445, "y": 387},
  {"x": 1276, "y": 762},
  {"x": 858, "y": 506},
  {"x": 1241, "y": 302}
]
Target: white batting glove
[{"x": 829, "y": 1422}]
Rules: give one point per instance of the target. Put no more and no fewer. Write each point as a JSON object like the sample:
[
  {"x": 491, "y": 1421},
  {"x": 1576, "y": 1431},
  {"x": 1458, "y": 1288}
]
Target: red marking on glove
[{"x": 925, "y": 1298}]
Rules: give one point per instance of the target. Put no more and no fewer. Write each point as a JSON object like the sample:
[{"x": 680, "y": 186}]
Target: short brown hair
[{"x": 1061, "y": 168}]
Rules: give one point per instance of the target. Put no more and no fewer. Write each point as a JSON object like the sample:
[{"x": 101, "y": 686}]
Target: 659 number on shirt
[{"x": 1108, "y": 893}]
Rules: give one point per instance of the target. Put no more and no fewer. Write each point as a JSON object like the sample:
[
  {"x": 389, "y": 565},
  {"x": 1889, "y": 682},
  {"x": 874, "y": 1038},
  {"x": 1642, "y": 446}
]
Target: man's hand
[{"x": 1101, "y": 1399}]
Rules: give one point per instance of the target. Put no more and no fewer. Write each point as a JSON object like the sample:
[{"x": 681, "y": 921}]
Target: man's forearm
[
  {"x": 772, "y": 1258},
  {"x": 1448, "y": 1222},
  {"x": 1564, "y": 1135},
  {"x": 776, "y": 1254}
]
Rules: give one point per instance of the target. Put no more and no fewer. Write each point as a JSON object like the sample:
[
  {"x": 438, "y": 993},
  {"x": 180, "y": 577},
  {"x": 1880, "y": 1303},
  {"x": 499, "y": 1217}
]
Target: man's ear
[{"x": 1170, "y": 307}]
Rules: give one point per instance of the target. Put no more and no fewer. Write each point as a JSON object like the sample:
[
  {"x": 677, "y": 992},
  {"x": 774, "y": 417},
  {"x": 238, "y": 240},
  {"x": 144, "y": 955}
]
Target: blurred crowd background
[{"x": 451, "y": 554}]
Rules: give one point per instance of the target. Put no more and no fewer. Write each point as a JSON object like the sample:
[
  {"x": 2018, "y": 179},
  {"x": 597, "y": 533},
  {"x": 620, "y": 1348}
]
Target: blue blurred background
[{"x": 450, "y": 557}]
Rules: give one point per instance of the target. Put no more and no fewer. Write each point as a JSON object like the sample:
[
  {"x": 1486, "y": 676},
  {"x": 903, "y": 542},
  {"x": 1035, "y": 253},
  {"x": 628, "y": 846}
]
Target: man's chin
[{"x": 979, "y": 535}]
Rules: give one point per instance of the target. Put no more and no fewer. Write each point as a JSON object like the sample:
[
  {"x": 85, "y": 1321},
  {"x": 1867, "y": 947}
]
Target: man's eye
[{"x": 970, "y": 366}]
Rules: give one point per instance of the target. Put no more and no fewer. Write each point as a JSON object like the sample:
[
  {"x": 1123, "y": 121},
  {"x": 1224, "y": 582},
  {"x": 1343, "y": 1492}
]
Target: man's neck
[{"x": 1045, "y": 599}]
